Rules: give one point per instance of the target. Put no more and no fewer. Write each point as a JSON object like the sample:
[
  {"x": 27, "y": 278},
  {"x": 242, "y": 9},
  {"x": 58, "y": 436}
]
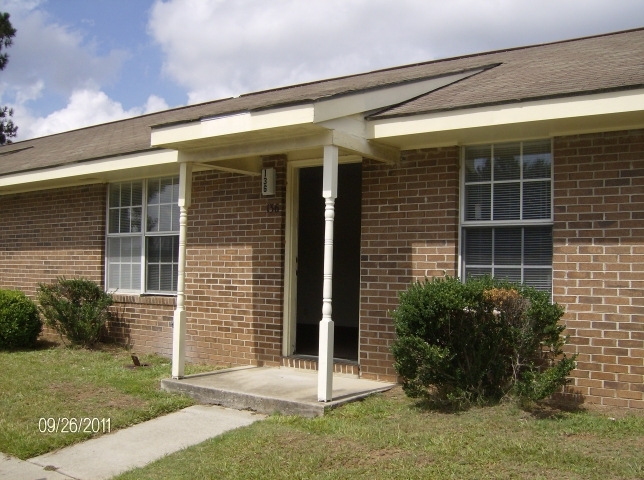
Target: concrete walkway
[
  {"x": 112, "y": 454},
  {"x": 12, "y": 468}
]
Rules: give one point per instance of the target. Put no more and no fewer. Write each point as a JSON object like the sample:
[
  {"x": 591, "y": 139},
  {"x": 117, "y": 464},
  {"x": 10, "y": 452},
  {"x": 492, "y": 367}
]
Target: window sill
[{"x": 145, "y": 299}]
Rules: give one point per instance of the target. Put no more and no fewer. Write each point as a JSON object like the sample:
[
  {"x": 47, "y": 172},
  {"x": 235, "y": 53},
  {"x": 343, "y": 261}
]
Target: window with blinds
[
  {"x": 507, "y": 212},
  {"x": 142, "y": 256}
]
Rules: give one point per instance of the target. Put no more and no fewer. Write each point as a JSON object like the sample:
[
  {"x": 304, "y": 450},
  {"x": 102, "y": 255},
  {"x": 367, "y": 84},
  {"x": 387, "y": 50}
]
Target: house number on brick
[{"x": 272, "y": 207}]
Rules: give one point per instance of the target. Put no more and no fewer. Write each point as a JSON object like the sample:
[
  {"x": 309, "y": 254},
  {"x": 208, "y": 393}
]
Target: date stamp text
[{"x": 74, "y": 425}]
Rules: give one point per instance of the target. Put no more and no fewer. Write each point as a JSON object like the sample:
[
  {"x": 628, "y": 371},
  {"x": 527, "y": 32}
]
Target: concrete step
[{"x": 309, "y": 362}]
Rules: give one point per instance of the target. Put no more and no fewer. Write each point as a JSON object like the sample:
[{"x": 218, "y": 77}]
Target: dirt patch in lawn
[
  {"x": 333, "y": 452},
  {"x": 88, "y": 394}
]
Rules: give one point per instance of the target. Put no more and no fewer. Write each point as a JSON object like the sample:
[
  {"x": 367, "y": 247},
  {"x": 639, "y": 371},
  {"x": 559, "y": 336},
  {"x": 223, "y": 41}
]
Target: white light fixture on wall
[{"x": 268, "y": 181}]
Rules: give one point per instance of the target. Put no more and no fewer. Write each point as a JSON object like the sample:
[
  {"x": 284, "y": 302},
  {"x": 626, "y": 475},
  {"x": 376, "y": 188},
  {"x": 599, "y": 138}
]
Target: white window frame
[
  {"x": 142, "y": 235},
  {"x": 464, "y": 224}
]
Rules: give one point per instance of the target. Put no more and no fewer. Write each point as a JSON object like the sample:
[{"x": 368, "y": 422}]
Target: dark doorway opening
[{"x": 346, "y": 261}]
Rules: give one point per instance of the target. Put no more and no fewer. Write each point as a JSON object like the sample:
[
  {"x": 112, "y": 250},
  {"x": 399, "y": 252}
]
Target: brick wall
[
  {"x": 409, "y": 231},
  {"x": 235, "y": 269},
  {"x": 235, "y": 258},
  {"x": 598, "y": 263},
  {"x": 52, "y": 233}
]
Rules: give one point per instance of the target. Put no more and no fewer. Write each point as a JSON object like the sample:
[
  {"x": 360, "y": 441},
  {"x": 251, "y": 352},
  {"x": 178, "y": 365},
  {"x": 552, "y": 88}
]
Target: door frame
[{"x": 289, "y": 321}]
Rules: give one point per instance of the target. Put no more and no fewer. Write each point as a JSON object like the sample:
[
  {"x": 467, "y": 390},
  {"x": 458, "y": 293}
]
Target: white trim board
[
  {"x": 509, "y": 114},
  {"x": 91, "y": 168}
]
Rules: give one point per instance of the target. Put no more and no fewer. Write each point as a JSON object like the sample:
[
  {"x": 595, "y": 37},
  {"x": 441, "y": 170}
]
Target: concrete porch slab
[{"x": 268, "y": 390}]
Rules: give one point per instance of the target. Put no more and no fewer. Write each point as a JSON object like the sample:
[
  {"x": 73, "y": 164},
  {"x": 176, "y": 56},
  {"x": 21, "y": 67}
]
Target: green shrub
[
  {"x": 76, "y": 308},
  {"x": 20, "y": 323},
  {"x": 479, "y": 340}
]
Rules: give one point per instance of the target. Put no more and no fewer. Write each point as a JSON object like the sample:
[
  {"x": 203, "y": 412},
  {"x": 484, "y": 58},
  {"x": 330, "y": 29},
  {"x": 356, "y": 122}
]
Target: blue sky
[
  {"x": 80, "y": 62},
  {"x": 120, "y": 25}
]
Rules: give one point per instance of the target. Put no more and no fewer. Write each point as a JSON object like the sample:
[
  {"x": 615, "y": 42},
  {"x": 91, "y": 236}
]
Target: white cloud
[
  {"x": 86, "y": 107},
  {"x": 155, "y": 104},
  {"x": 47, "y": 52},
  {"x": 29, "y": 92},
  {"x": 48, "y": 57},
  {"x": 221, "y": 48},
  {"x": 50, "y": 60}
]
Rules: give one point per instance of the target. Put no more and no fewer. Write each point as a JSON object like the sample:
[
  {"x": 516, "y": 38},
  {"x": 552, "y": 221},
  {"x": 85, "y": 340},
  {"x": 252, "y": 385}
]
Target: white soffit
[
  {"x": 93, "y": 171},
  {"x": 310, "y": 113},
  {"x": 612, "y": 103}
]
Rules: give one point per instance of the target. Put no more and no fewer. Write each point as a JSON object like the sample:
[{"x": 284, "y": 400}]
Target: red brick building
[{"x": 525, "y": 163}]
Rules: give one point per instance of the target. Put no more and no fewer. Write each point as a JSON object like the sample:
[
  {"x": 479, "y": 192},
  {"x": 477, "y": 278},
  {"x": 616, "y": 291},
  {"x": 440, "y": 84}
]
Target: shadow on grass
[
  {"x": 106, "y": 346},
  {"x": 49, "y": 344},
  {"x": 551, "y": 408},
  {"x": 41, "y": 344},
  {"x": 46, "y": 344},
  {"x": 555, "y": 407},
  {"x": 436, "y": 403}
]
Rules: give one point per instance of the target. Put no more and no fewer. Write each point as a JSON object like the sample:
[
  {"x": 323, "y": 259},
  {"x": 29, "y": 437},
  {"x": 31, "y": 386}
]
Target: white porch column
[
  {"x": 325, "y": 354},
  {"x": 179, "y": 325}
]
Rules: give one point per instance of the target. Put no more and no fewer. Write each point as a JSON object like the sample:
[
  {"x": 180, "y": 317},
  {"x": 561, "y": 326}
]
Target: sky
[{"x": 75, "y": 63}]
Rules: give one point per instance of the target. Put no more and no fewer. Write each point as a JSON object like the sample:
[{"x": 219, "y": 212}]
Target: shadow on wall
[
  {"x": 409, "y": 231},
  {"x": 118, "y": 328},
  {"x": 235, "y": 269},
  {"x": 143, "y": 323}
]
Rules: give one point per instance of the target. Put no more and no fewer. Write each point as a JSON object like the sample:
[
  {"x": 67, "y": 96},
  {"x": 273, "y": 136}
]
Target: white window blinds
[
  {"x": 507, "y": 214},
  {"x": 517, "y": 254},
  {"x": 125, "y": 211},
  {"x": 137, "y": 251},
  {"x": 510, "y": 181}
]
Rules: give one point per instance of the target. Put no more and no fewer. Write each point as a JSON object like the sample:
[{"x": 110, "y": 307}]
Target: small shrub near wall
[
  {"x": 20, "y": 323},
  {"x": 77, "y": 309},
  {"x": 482, "y": 339}
]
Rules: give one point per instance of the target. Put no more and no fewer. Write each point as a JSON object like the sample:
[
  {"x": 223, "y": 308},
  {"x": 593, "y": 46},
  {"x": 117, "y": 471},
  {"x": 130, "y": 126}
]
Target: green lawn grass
[
  {"x": 55, "y": 382},
  {"x": 389, "y": 436}
]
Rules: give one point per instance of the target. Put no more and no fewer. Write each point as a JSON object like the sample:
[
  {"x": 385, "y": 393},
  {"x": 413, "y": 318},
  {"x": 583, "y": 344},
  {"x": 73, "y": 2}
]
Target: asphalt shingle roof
[
  {"x": 582, "y": 66},
  {"x": 574, "y": 67}
]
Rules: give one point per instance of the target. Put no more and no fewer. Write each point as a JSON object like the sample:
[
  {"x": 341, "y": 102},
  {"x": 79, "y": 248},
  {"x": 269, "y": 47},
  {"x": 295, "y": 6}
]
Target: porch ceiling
[{"x": 240, "y": 151}]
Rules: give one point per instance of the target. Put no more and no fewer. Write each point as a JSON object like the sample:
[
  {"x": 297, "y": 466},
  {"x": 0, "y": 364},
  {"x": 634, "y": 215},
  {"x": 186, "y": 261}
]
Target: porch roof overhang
[{"x": 300, "y": 129}]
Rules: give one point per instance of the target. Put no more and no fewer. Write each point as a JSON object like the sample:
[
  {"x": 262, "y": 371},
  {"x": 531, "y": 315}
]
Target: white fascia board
[
  {"x": 540, "y": 110},
  {"x": 232, "y": 124},
  {"x": 96, "y": 167},
  {"x": 382, "y": 97}
]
